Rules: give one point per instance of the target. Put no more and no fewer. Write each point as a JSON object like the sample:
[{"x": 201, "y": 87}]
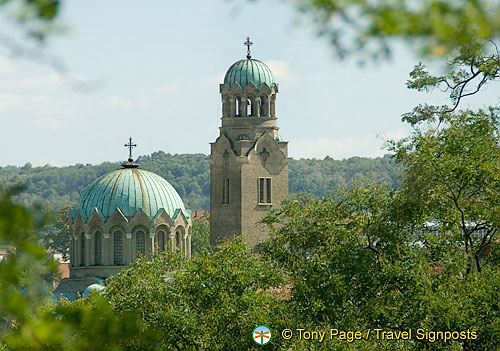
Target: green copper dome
[
  {"x": 130, "y": 190},
  {"x": 249, "y": 71}
]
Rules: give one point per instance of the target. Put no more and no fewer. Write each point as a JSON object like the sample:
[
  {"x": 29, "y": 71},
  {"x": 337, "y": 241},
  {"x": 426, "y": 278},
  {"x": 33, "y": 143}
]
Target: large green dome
[
  {"x": 249, "y": 71},
  {"x": 130, "y": 190}
]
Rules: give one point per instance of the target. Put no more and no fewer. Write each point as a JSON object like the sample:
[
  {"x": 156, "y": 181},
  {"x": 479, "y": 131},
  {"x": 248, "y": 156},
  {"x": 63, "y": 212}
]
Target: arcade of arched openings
[{"x": 100, "y": 248}]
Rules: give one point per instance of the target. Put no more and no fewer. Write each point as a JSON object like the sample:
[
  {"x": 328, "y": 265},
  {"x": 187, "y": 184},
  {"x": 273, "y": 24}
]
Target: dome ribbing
[
  {"x": 248, "y": 71},
  {"x": 130, "y": 190}
]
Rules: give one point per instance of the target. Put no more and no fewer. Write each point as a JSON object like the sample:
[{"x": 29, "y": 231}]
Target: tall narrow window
[
  {"x": 265, "y": 190},
  {"x": 82, "y": 258},
  {"x": 160, "y": 240},
  {"x": 140, "y": 243},
  {"x": 261, "y": 190},
  {"x": 98, "y": 248},
  {"x": 118, "y": 248},
  {"x": 225, "y": 190},
  {"x": 249, "y": 107},
  {"x": 237, "y": 106},
  {"x": 268, "y": 190}
]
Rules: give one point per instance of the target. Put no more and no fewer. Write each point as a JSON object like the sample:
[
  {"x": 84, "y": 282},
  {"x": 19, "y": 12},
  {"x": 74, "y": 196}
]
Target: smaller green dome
[{"x": 249, "y": 71}]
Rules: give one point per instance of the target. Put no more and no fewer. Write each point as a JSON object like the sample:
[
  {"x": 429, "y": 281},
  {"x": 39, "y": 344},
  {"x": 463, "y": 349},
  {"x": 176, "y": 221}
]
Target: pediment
[
  {"x": 265, "y": 89},
  {"x": 79, "y": 220},
  {"x": 251, "y": 88},
  {"x": 180, "y": 218},
  {"x": 141, "y": 218},
  {"x": 117, "y": 218},
  {"x": 95, "y": 218},
  {"x": 162, "y": 217},
  {"x": 222, "y": 149},
  {"x": 236, "y": 88},
  {"x": 268, "y": 153}
]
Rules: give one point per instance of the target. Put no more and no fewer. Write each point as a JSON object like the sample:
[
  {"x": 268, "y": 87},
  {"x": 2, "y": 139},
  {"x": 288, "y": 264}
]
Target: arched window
[
  {"x": 250, "y": 107},
  {"x": 258, "y": 106},
  {"x": 160, "y": 240},
  {"x": 82, "y": 253},
  {"x": 237, "y": 102},
  {"x": 264, "y": 111},
  {"x": 98, "y": 248},
  {"x": 118, "y": 248},
  {"x": 140, "y": 243}
]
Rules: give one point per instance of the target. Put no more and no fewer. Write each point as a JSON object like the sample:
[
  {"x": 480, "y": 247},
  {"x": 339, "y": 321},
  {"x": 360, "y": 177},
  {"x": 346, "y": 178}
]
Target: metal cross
[
  {"x": 248, "y": 43},
  {"x": 130, "y": 146}
]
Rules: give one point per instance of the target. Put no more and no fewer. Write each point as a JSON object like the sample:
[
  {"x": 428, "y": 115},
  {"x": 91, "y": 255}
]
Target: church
[{"x": 131, "y": 212}]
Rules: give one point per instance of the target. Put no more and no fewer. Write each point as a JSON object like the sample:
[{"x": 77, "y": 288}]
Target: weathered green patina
[
  {"x": 248, "y": 71},
  {"x": 130, "y": 190}
]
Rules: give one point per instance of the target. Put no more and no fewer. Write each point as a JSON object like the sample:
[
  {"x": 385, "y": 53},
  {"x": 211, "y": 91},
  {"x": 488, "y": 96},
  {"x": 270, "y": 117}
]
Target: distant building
[{"x": 249, "y": 160}]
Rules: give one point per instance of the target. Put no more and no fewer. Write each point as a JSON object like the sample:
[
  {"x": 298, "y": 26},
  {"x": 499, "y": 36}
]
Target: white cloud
[
  {"x": 10, "y": 101},
  {"x": 370, "y": 145},
  {"x": 46, "y": 123},
  {"x": 282, "y": 72},
  {"x": 8, "y": 66}
]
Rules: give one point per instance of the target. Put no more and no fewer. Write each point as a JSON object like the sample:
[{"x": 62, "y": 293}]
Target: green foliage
[
  {"x": 56, "y": 236},
  {"x": 87, "y": 324},
  {"x": 27, "y": 266},
  {"x": 472, "y": 67},
  {"x": 35, "y": 16},
  {"x": 321, "y": 177},
  {"x": 200, "y": 237},
  {"x": 356, "y": 263},
  {"x": 209, "y": 302},
  {"x": 434, "y": 27},
  {"x": 28, "y": 321},
  {"x": 452, "y": 179}
]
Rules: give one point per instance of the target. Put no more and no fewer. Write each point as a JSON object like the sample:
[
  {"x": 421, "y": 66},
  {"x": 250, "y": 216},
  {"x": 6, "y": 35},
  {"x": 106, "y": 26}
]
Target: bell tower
[{"x": 249, "y": 160}]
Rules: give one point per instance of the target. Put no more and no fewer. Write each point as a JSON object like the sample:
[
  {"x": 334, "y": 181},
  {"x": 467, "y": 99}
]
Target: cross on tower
[
  {"x": 130, "y": 146},
  {"x": 248, "y": 43}
]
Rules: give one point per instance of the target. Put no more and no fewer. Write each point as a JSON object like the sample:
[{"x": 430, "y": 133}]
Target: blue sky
[{"x": 152, "y": 70}]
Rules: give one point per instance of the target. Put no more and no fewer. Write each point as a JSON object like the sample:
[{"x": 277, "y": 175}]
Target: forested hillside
[{"x": 57, "y": 187}]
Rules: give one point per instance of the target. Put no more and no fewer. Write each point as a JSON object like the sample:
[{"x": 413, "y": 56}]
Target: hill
[{"x": 56, "y": 187}]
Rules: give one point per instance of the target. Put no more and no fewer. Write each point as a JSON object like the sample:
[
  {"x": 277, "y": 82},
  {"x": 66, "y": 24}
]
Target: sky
[{"x": 152, "y": 69}]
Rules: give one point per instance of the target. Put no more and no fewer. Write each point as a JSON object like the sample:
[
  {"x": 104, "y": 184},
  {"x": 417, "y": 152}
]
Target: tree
[
  {"x": 26, "y": 266},
  {"x": 357, "y": 261},
  {"x": 451, "y": 180},
  {"x": 29, "y": 320},
  {"x": 200, "y": 238},
  {"x": 434, "y": 27},
  {"x": 212, "y": 301},
  {"x": 56, "y": 237},
  {"x": 36, "y": 16},
  {"x": 472, "y": 67}
]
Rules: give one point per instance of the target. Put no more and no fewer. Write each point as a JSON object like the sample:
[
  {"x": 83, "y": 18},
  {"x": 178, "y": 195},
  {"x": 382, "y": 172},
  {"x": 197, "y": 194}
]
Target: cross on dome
[
  {"x": 130, "y": 146},
  {"x": 248, "y": 43}
]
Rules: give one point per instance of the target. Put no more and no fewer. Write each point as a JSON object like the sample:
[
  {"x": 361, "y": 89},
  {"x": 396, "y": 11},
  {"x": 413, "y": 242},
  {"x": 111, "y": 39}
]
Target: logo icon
[{"x": 261, "y": 335}]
